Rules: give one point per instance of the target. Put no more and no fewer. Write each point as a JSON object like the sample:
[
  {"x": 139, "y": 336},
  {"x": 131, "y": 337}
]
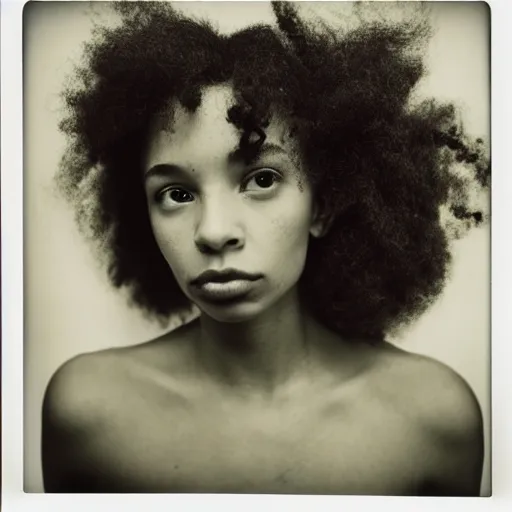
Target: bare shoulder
[
  {"x": 90, "y": 395},
  {"x": 444, "y": 408},
  {"x": 86, "y": 384},
  {"x": 73, "y": 411},
  {"x": 437, "y": 394},
  {"x": 74, "y": 390}
]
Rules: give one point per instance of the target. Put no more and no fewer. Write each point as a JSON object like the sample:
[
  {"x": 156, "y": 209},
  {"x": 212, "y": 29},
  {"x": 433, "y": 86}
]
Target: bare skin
[{"x": 353, "y": 419}]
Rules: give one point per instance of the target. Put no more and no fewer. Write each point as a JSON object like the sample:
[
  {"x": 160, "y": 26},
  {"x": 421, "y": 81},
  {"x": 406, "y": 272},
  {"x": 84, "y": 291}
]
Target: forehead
[{"x": 191, "y": 138}]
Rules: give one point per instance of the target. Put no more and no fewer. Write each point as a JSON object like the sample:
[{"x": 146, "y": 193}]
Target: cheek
[
  {"x": 170, "y": 239},
  {"x": 290, "y": 236},
  {"x": 295, "y": 218}
]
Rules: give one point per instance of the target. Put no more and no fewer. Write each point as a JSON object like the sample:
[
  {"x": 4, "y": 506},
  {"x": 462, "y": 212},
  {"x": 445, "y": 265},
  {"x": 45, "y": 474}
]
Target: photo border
[{"x": 13, "y": 497}]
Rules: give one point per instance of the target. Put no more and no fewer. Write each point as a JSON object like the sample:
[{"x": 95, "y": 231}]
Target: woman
[{"x": 281, "y": 182}]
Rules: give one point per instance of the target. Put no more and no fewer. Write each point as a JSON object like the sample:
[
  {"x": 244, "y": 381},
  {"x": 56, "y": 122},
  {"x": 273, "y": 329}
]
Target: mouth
[
  {"x": 224, "y": 286},
  {"x": 224, "y": 276}
]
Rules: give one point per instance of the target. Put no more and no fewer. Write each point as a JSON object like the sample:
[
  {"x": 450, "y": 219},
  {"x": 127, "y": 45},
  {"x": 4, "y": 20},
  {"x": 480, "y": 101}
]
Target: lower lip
[{"x": 225, "y": 291}]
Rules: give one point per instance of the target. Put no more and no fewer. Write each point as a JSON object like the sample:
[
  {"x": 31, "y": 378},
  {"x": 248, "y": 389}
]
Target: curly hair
[{"x": 382, "y": 168}]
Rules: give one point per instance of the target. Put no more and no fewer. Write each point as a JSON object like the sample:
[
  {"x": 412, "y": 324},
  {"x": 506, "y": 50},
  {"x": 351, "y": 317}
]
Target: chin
[
  {"x": 243, "y": 310},
  {"x": 233, "y": 313}
]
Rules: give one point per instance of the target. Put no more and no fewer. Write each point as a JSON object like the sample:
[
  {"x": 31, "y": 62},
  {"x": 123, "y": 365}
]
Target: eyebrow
[
  {"x": 165, "y": 169},
  {"x": 267, "y": 149}
]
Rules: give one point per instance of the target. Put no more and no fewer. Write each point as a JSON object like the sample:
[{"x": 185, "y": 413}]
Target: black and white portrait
[{"x": 257, "y": 248}]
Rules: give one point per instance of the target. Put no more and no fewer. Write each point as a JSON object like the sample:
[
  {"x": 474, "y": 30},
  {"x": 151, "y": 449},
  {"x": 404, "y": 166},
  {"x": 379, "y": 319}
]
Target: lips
[
  {"x": 224, "y": 286},
  {"x": 224, "y": 276}
]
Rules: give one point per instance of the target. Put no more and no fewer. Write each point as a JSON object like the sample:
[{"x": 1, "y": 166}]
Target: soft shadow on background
[{"x": 69, "y": 306}]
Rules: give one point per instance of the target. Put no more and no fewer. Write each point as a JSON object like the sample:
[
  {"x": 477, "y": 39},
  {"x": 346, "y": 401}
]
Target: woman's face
[{"x": 234, "y": 235}]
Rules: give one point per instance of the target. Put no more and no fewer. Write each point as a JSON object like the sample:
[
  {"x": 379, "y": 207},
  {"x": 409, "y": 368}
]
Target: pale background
[{"x": 69, "y": 307}]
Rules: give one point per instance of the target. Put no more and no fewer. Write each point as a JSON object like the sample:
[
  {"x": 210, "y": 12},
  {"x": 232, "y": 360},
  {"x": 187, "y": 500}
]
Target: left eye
[{"x": 262, "y": 180}]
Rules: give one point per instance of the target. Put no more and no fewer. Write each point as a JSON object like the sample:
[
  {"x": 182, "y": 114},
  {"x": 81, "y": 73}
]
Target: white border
[{"x": 14, "y": 499}]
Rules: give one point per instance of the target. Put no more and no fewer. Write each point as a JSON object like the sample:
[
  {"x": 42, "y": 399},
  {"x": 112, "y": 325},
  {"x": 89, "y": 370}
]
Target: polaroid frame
[{"x": 12, "y": 312}]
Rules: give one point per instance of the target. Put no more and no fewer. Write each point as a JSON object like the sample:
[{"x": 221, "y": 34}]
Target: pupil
[
  {"x": 265, "y": 180},
  {"x": 180, "y": 196}
]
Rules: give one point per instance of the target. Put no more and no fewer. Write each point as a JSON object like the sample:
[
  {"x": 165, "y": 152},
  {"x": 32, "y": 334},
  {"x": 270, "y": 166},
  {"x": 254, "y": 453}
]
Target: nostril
[
  {"x": 206, "y": 249},
  {"x": 209, "y": 247}
]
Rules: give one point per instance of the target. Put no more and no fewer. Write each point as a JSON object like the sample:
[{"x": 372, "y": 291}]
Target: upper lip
[{"x": 223, "y": 276}]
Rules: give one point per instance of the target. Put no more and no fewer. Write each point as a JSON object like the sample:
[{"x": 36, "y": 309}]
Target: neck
[{"x": 261, "y": 354}]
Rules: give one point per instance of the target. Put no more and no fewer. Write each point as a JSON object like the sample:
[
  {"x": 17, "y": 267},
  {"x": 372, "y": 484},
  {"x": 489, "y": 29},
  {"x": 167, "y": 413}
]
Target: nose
[{"x": 218, "y": 227}]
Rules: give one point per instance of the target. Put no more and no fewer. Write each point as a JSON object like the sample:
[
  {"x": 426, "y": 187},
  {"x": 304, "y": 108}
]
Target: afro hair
[{"x": 384, "y": 169}]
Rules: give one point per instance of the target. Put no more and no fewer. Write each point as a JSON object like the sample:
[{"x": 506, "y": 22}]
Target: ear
[{"x": 322, "y": 221}]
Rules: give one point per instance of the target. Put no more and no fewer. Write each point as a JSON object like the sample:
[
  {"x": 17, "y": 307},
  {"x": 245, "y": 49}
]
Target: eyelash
[{"x": 277, "y": 178}]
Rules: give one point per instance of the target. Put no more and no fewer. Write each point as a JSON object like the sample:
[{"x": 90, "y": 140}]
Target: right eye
[{"x": 171, "y": 197}]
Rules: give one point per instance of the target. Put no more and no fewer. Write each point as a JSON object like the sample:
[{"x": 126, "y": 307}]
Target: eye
[
  {"x": 261, "y": 180},
  {"x": 173, "y": 196}
]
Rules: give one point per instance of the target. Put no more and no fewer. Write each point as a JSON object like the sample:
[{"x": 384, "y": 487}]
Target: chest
[{"x": 296, "y": 449}]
